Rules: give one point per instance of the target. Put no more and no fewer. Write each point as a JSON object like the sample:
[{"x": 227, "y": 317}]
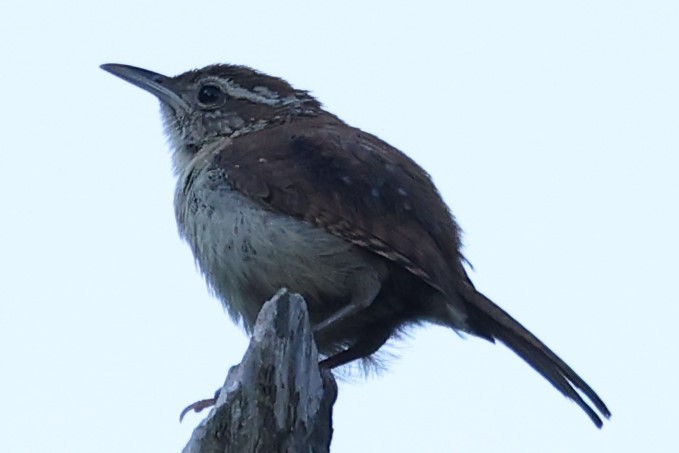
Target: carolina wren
[{"x": 274, "y": 191}]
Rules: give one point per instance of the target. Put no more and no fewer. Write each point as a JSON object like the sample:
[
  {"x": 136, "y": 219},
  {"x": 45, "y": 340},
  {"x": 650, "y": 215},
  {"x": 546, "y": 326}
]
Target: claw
[{"x": 197, "y": 407}]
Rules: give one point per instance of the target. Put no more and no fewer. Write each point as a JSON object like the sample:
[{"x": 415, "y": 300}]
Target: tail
[{"x": 489, "y": 321}]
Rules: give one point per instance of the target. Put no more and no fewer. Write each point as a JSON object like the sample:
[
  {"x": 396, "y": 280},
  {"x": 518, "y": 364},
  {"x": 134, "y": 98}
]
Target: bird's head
[{"x": 217, "y": 101}]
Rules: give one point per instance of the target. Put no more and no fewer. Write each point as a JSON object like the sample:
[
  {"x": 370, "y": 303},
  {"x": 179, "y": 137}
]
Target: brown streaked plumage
[{"x": 275, "y": 191}]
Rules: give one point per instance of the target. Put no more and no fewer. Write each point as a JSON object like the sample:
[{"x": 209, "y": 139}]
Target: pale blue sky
[{"x": 551, "y": 129}]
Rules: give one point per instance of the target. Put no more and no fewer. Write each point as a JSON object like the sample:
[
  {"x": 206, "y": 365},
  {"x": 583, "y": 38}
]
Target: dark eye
[{"x": 210, "y": 95}]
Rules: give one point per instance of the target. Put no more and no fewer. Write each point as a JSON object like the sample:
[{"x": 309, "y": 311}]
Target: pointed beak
[{"x": 156, "y": 84}]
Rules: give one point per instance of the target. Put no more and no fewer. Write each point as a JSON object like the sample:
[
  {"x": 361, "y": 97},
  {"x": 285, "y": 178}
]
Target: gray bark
[{"x": 277, "y": 399}]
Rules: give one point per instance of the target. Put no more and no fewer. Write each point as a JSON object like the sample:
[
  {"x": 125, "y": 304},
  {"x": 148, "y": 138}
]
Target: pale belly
[{"x": 247, "y": 252}]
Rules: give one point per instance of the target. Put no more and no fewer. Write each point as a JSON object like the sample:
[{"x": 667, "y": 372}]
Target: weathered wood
[{"x": 277, "y": 399}]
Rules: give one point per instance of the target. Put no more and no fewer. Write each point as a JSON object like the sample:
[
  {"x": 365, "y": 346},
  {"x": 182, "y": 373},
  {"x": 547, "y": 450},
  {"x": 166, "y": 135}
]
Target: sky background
[{"x": 551, "y": 129}]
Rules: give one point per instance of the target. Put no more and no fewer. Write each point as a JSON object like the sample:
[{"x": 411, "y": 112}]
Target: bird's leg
[
  {"x": 365, "y": 346},
  {"x": 365, "y": 291}
]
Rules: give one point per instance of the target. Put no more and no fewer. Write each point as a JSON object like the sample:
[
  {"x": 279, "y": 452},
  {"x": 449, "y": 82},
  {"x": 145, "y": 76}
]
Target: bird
[{"x": 275, "y": 191}]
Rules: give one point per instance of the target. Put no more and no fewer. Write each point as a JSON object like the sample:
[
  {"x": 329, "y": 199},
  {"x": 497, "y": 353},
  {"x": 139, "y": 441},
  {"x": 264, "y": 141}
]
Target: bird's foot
[{"x": 199, "y": 405}]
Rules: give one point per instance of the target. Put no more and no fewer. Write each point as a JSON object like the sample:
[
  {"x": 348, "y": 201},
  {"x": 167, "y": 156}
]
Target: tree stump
[{"x": 277, "y": 399}]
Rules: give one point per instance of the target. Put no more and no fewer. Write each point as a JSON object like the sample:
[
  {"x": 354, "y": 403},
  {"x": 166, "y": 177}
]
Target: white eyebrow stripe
[{"x": 259, "y": 94}]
